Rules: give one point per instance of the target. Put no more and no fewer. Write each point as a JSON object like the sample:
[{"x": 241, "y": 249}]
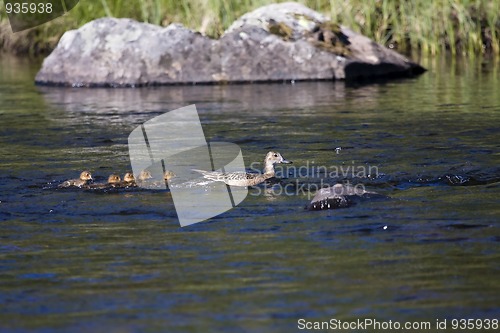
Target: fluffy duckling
[
  {"x": 128, "y": 180},
  {"x": 129, "y": 177},
  {"x": 85, "y": 177},
  {"x": 146, "y": 180},
  {"x": 113, "y": 181},
  {"x": 144, "y": 175},
  {"x": 168, "y": 175}
]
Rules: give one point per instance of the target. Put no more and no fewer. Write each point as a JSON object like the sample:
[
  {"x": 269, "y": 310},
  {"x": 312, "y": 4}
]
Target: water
[{"x": 118, "y": 261}]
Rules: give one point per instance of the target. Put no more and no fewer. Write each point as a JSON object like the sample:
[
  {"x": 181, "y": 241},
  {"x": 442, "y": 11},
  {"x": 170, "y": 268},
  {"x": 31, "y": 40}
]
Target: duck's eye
[{"x": 275, "y": 155}]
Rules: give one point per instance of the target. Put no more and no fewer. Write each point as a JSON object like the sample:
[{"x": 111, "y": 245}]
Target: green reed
[{"x": 430, "y": 27}]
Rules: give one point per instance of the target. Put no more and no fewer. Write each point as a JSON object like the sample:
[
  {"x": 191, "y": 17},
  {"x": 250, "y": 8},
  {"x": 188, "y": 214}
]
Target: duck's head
[
  {"x": 144, "y": 175},
  {"x": 86, "y": 175},
  {"x": 168, "y": 175},
  {"x": 129, "y": 177},
  {"x": 113, "y": 179},
  {"x": 275, "y": 158}
]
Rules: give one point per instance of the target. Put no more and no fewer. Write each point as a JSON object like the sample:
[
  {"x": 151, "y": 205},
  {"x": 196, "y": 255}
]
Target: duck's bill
[{"x": 286, "y": 161}]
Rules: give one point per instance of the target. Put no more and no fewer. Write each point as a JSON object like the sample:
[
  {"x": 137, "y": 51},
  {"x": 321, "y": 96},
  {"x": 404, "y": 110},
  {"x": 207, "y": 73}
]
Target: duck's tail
[{"x": 211, "y": 175}]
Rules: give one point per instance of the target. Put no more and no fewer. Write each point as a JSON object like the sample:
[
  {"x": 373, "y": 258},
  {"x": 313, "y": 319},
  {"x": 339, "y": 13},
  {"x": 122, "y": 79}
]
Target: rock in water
[
  {"x": 340, "y": 196},
  {"x": 124, "y": 52},
  {"x": 278, "y": 42}
]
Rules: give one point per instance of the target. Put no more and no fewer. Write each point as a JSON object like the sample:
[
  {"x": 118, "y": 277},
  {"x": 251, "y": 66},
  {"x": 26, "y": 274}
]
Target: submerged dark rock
[
  {"x": 278, "y": 42},
  {"x": 340, "y": 196}
]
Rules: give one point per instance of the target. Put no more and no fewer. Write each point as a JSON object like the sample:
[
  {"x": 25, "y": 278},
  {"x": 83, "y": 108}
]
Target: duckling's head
[
  {"x": 113, "y": 179},
  {"x": 168, "y": 175},
  {"x": 129, "y": 177},
  {"x": 144, "y": 175},
  {"x": 85, "y": 175},
  {"x": 275, "y": 158}
]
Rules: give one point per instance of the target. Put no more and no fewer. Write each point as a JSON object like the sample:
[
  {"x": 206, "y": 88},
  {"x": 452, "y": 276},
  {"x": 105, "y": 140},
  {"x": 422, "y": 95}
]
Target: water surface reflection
[{"x": 79, "y": 260}]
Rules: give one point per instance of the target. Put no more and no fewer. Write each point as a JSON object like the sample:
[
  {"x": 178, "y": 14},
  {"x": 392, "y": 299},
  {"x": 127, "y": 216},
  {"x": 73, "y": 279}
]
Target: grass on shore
[{"x": 469, "y": 27}]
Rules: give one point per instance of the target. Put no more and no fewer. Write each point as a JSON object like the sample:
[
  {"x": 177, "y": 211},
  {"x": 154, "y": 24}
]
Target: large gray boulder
[
  {"x": 121, "y": 52},
  {"x": 278, "y": 42}
]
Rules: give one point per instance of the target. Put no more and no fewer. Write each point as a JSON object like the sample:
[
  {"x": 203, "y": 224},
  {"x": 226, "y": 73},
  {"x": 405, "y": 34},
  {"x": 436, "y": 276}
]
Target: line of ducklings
[
  {"x": 86, "y": 181},
  {"x": 337, "y": 196}
]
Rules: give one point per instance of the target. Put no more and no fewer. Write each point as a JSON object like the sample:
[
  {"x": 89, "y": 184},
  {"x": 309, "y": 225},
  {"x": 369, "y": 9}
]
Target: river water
[{"x": 118, "y": 261}]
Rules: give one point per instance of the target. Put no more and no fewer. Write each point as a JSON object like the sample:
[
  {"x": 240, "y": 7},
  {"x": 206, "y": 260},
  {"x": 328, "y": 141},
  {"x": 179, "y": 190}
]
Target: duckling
[
  {"x": 113, "y": 181},
  {"x": 128, "y": 180},
  {"x": 129, "y": 177},
  {"x": 247, "y": 179},
  {"x": 145, "y": 175},
  {"x": 85, "y": 177},
  {"x": 143, "y": 179},
  {"x": 152, "y": 183},
  {"x": 168, "y": 175}
]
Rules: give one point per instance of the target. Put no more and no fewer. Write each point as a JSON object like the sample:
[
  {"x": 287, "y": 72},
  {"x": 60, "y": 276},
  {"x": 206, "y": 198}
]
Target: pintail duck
[
  {"x": 247, "y": 179},
  {"x": 85, "y": 177}
]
